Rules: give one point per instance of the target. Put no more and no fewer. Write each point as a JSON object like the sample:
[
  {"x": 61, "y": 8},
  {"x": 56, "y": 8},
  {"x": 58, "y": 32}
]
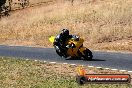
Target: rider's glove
[
  {"x": 72, "y": 45},
  {"x": 75, "y": 37}
]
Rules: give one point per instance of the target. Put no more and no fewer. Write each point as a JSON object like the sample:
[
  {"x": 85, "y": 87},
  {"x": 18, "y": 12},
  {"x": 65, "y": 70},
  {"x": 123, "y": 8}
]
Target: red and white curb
[{"x": 90, "y": 66}]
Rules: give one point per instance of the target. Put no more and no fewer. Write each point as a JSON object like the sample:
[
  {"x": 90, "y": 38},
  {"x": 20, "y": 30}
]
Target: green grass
[{"x": 19, "y": 73}]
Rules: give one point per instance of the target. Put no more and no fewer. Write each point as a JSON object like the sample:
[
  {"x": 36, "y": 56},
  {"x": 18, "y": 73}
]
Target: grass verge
[{"x": 20, "y": 73}]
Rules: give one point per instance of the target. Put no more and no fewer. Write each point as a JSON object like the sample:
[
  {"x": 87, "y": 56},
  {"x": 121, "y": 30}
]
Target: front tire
[{"x": 59, "y": 53}]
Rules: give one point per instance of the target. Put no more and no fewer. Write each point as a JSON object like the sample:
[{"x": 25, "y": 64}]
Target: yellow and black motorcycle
[{"x": 75, "y": 48}]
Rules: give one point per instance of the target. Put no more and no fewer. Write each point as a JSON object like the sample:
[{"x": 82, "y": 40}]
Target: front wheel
[
  {"x": 88, "y": 55},
  {"x": 59, "y": 53}
]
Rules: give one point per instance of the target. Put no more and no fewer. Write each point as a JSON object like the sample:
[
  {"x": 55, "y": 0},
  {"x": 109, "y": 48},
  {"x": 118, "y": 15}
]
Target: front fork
[{"x": 81, "y": 51}]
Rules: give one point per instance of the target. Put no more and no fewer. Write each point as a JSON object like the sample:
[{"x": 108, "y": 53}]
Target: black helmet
[{"x": 65, "y": 32}]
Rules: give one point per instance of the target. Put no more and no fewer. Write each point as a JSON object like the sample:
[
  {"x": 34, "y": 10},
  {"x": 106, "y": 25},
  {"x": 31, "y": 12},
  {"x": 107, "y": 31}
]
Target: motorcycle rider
[{"x": 60, "y": 42}]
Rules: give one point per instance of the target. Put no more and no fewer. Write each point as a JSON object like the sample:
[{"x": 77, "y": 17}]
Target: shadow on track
[
  {"x": 84, "y": 60},
  {"x": 97, "y": 60}
]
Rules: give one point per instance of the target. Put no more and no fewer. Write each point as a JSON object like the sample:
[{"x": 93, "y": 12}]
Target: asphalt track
[{"x": 114, "y": 60}]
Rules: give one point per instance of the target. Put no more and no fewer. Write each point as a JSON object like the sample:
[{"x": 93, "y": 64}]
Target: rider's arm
[{"x": 58, "y": 41}]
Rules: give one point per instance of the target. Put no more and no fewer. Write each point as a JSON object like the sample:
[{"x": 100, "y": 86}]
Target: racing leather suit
[{"x": 60, "y": 43}]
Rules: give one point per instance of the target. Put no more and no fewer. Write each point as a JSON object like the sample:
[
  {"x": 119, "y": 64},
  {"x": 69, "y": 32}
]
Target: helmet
[{"x": 65, "y": 32}]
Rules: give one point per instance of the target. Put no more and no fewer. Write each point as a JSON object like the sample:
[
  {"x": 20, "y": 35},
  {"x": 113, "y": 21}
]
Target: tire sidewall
[{"x": 88, "y": 54}]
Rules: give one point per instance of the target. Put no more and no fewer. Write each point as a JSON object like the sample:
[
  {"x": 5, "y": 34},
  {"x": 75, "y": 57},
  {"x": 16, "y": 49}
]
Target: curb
[{"x": 85, "y": 65}]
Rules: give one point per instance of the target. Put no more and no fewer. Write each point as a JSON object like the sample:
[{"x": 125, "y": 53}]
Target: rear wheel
[{"x": 88, "y": 55}]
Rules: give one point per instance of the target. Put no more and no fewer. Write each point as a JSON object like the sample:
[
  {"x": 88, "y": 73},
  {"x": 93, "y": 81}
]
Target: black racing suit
[
  {"x": 2, "y": 2},
  {"x": 60, "y": 44}
]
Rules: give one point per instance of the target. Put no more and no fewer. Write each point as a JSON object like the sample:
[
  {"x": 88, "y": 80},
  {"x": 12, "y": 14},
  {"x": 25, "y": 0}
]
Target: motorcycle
[{"x": 75, "y": 48}]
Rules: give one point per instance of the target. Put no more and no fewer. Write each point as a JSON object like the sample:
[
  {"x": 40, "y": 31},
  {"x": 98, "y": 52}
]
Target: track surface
[{"x": 104, "y": 59}]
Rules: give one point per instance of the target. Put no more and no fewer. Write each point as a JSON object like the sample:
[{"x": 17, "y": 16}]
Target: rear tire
[{"x": 88, "y": 55}]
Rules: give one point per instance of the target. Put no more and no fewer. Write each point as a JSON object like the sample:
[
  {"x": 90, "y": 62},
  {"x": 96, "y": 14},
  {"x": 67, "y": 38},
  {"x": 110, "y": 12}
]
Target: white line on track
[
  {"x": 73, "y": 64},
  {"x": 35, "y": 60},
  {"x": 122, "y": 70},
  {"x": 27, "y": 59},
  {"x": 107, "y": 68},
  {"x": 114, "y": 69},
  {"x": 52, "y": 62},
  {"x": 91, "y": 66},
  {"x": 45, "y": 61},
  {"x": 65, "y": 63},
  {"x": 129, "y": 71},
  {"x": 99, "y": 67}
]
